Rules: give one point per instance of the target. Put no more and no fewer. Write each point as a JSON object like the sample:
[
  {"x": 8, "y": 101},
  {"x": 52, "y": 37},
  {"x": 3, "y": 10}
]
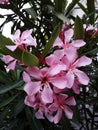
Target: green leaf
[
  {"x": 71, "y": 6},
  {"x": 82, "y": 7},
  {"x": 6, "y": 88},
  {"x": 92, "y": 52},
  {"x": 29, "y": 59},
  {"x": 51, "y": 40},
  {"x": 60, "y": 16},
  {"x": 35, "y": 124},
  {"x": 91, "y": 10},
  {"x": 31, "y": 12},
  {"x": 7, "y": 101},
  {"x": 79, "y": 30},
  {"x": 60, "y": 5}
]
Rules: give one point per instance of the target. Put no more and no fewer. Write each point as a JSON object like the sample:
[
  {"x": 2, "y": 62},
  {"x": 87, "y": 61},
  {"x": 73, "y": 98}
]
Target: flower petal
[
  {"x": 12, "y": 47},
  {"x": 78, "y": 43},
  {"x": 68, "y": 112},
  {"x": 7, "y": 59},
  {"x": 83, "y": 61},
  {"x": 34, "y": 72},
  {"x": 58, "y": 42},
  {"x": 26, "y": 34},
  {"x": 70, "y": 79},
  {"x": 59, "y": 82},
  {"x": 68, "y": 35},
  {"x": 70, "y": 101},
  {"x": 39, "y": 114},
  {"x": 16, "y": 35},
  {"x": 47, "y": 94},
  {"x": 58, "y": 116},
  {"x": 32, "y": 88},
  {"x": 82, "y": 77},
  {"x": 12, "y": 65},
  {"x": 26, "y": 77}
]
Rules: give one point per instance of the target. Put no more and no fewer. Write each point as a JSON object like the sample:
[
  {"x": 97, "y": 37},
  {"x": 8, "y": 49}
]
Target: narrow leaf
[
  {"x": 78, "y": 31},
  {"x": 29, "y": 59},
  {"x": 91, "y": 10},
  {"x": 51, "y": 40},
  {"x": 7, "y": 101},
  {"x": 6, "y": 88},
  {"x": 31, "y": 12}
]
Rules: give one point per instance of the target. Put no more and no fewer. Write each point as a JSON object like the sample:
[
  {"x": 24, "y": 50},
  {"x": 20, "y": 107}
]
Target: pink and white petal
[
  {"x": 47, "y": 94},
  {"x": 58, "y": 116},
  {"x": 26, "y": 34},
  {"x": 30, "y": 101},
  {"x": 68, "y": 35},
  {"x": 70, "y": 101},
  {"x": 12, "y": 65},
  {"x": 32, "y": 88},
  {"x": 68, "y": 112},
  {"x": 12, "y": 47},
  {"x": 82, "y": 77},
  {"x": 51, "y": 60},
  {"x": 7, "y": 59},
  {"x": 70, "y": 79},
  {"x": 59, "y": 54},
  {"x": 58, "y": 42},
  {"x": 30, "y": 41},
  {"x": 26, "y": 77},
  {"x": 78, "y": 43},
  {"x": 76, "y": 88},
  {"x": 59, "y": 82},
  {"x": 54, "y": 70},
  {"x": 34, "y": 72},
  {"x": 71, "y": 54},
  {"x": 16, "y": 35},
  {"x": 39, "y": 114},
  {"x": 53, "y": 107},
  {"x": 83, "y": 61}
]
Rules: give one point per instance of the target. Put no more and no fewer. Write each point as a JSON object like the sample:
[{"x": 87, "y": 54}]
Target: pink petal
[
  {"x": 39, "y": 114},
  {"x": 16, "y": 35},
  {"x": 32, "y": 88},
  {"x": 47, "y": 95},
  {"x": 83, "y": 61},
  {"x": 26, "y": 77},
  {"x": 58, "y": 42},
  {"x": 76, "y": 87},
  {"x": 70, "y": 79},
  {"x": 30, "y": 101},
  {"x": 30, "y": 41},
  {"x": 53, "y": 107},
  {"x": 12, "y": 47},
  {"x": 34, "y": 72},
  {"x": 51, "y": 60},
  {"x": 12, "y": 65},
  {"x": 59, "y": 54},
  {"x": 68, "y": 112},
  {"x": 68, "y": 35},
  {"x": 78, "y": 43},
  {"x": 26, "y": 34},
  {"x": 59, "y": 82},
  {"x": 71, "y": 101},
  {"x": 56, "y": 69},
  {"x": 71, "y": 54},
  {"x": 82, "y": 77},
  {"x": 58, "y": 116},
  {"x": 7, "y": 59}
]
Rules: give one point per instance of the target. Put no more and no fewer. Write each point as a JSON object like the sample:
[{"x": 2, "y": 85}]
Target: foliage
[{"x": 45, "y": 18}]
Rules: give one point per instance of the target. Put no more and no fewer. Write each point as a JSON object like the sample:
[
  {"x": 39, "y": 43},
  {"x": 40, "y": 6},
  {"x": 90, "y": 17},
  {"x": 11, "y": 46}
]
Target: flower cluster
[{"x": 47, "y": 85}]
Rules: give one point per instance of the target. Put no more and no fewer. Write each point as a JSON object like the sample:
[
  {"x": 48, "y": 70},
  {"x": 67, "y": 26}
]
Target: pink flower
[
  {"x": 68, "y": 47},
  {"x": 22, "y": 41},
  {"x": 4, "y": 1},
  {"x": 73, "y": 72},
  {"x": 61, "y": 103},
  {"x": 43, "y": 79},
  {"x": 11, "y": 61}
]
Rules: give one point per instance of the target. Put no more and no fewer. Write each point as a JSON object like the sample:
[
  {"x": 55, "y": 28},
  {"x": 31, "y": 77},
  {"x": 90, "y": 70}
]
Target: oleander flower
[
  {"x": 4, "y": 1},
  {"x": 22, "y": 40}
]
